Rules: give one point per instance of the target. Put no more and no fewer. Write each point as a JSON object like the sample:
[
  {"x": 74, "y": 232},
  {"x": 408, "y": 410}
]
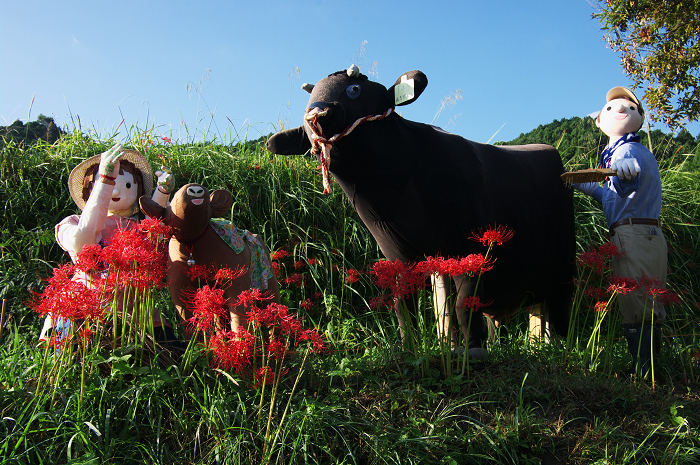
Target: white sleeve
[{"x": 92, "y": 220}]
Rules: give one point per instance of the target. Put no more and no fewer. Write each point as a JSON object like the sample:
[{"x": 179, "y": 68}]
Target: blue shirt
[{"x": 638, "y": 198}]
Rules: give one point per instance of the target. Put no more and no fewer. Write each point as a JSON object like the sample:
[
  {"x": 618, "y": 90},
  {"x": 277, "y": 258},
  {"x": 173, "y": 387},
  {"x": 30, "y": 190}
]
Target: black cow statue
[{"x": 423, "y": 192}]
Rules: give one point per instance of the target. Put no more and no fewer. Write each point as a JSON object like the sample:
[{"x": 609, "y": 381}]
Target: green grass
[{"x": 366, "y": 401}]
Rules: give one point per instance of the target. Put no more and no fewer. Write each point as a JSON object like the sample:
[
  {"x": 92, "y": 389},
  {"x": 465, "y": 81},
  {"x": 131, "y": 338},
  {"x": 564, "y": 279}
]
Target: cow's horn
[
  {"x": 354, "y": 71},
  {"x": 307, "y": 87}
]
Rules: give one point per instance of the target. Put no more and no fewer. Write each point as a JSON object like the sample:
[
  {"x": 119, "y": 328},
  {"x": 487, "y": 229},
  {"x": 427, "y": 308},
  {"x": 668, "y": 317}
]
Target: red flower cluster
[
  {"x": 353, "y": 276},
  {"x": 237, "y": 350},
  {"x": 471, "y": 265},
  {"x": 68, "y": 298},
  {"x": 496, "y": 235},
  {"x": 621, "y": 285},
  {"x": 402, "y": 279},
  {"x": 134, "y": 258},
  {"x": 593, "y": 259}
]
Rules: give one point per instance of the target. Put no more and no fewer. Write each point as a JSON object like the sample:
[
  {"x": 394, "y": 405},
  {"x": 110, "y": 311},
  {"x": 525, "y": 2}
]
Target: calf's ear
[
  {"x": 289, "y": 142},
  {"x": 407, "y": 88},
  {"x": 150, "y": 208},
  {"x": 221, "y": 202}
]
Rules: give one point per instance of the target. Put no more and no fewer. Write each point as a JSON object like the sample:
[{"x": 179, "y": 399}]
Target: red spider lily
[
  {"x": 279, "y": 254},
  {"x": 353, "y": 276},
  {"x": 295, "y": 279},
  {"x": 474, "y": 303},
  {"x": 306, "y": 304},
  {"x": 167, "y": 140},
  {"x": 135, "y": 259},
  {"x": 227, "y": 274},
  {"x": 402, "y": 279},
  {"x": 318, "y": 345},
  {"x": 318, "y": 295},
  {"x": 155, "y": 229},
  {"x": 609, "y": 249},
  {"x": 593, "y": 259},
  {"x": 312, "y": 261},
  {"x": 233, "y": 350},
  {"x": 652, "y": 286},
  {"x": 276, "y": 349},
  {"x": 670, "y": 297},
  {"x": 199, "y": 271},
  {"x": 85, "y": 333},
  {"x": 622, "y": 285},
  {"x": 208, "y": 307},
  {"x": 299, "y": 264},
  {"x": 601, "y": 306},
  {"x": 264, "y": 376},
  {"x": 280, "y": 317},
  {"x": 496, "y": 235},
  {"x": 65, "y": 298},
  {"x": 474, "y": 264},
  {"x": 597, "y": 293},
  {"x": 250, "y": 297},
  {"x": 276, "y": 268},
  {"x": 89, "y": 260}
]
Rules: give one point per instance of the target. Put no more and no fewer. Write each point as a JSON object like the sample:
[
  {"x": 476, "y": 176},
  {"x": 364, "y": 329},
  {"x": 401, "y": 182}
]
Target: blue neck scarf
[{"x": 607, "y": 153}]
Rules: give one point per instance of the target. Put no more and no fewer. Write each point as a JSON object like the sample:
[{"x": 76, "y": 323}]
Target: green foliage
[
  {"x": 580, "y": 143},
  {"x": 659, "y": 45},
  {"x": 43, "y": 129}
]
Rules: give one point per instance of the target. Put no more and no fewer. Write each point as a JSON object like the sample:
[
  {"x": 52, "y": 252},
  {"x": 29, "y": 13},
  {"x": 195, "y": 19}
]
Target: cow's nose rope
[{"x": 327, "y": 144}]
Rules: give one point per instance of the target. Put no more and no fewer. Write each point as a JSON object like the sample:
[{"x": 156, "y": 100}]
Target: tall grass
[{"x": 366, "y": 401}]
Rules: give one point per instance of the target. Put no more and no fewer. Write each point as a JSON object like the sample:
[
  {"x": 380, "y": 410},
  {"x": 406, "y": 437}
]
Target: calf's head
[{"x": 189, "y": 212}]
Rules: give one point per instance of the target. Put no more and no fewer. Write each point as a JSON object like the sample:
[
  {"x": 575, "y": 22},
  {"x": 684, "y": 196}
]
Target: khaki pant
[{"x": 644, "y": 253}]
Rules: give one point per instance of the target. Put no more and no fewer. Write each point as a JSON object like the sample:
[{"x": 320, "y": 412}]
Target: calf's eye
[{"x": 353, "y": 91}]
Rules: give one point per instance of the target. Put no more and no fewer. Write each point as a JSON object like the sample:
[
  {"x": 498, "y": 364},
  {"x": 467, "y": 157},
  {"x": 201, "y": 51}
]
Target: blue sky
[{"x": 234, "y": 69}]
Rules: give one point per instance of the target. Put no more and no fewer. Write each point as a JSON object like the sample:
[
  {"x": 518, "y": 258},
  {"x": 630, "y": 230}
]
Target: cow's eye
[
  {"x": 128, "y": 185},
  {"x": 609, "y": 108},
  {"x": 353, "y": 91}
]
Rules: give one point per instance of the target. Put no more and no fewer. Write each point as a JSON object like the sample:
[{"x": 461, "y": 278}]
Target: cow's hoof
[
  {"x": 479, "y": 354},
  {"x": 476, "y": 353}
]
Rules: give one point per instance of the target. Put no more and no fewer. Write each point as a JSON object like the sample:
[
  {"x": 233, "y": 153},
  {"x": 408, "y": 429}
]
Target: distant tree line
[
  {"x": 580, "y": 142},
  {"x": 42, "y": 129}
]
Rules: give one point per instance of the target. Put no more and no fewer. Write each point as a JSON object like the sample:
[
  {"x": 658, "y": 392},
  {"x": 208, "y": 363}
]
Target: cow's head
[
  {"x": 189, "y": 212},
  {"x": 340, "y": 101}
]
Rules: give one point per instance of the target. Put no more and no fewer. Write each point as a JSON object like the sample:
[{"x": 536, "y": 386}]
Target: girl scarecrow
[{"x": 106, "y": 188}]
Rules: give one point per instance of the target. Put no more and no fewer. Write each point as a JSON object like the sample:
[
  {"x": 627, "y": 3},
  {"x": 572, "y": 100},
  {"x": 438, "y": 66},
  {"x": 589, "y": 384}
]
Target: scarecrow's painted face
[
  {"x": 124, "y": 194},
  {"x": 619, "y": 117}
]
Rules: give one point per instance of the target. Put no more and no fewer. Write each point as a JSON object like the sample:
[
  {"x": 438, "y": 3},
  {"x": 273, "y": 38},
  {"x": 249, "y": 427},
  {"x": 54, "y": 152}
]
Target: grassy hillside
[{"x": 366, "y": 400}]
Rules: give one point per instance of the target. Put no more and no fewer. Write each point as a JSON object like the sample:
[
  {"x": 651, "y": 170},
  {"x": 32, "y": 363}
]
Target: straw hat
[
  {"x": 75, "y": 178},
  {"x": 623, "y": 92}
]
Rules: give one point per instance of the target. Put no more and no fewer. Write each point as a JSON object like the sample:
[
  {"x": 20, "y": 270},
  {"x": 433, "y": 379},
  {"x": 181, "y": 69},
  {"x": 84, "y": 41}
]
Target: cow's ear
[
  {"x": 407, "y": 88},
  {"x": 151, "y": 208},
  {"x": 289, "y": 142},
  {"x": 221, "y": 202}
]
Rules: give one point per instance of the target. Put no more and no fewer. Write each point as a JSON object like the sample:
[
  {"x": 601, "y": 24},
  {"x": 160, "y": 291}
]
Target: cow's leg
[
  {"x": 539, "y": 323},
  {"x": 443, "y": 302},
  {"x": 471, "y": 323}
]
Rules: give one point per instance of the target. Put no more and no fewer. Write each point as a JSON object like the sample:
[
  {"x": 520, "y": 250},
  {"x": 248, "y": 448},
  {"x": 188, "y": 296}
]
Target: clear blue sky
[{"x": 188, "y": 67}]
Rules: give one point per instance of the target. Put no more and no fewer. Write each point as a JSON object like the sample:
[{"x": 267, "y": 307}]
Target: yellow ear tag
[{"x": 404, "y": 90}]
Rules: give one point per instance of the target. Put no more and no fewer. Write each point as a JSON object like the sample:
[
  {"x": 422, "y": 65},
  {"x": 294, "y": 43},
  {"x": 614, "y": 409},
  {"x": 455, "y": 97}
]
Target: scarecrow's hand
[
  {"x": 627, "y": 168},
  {"x": 166, "y": 180},
  {"x": 586, "y": 187},
  {"x": 109, "y": 162}
]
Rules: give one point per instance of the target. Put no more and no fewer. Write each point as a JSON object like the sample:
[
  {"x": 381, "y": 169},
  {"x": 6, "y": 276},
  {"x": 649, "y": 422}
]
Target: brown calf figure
[{"x": 214, "y": 243}]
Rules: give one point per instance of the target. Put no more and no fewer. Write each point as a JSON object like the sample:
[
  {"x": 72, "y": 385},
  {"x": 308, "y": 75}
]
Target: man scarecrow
[{"x": 631, "y": 202}]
